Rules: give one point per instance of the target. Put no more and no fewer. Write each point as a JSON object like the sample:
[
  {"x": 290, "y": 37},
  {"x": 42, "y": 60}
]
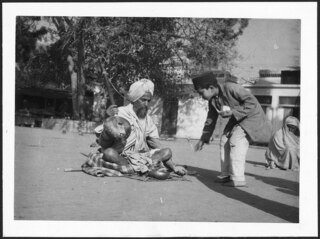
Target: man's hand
[
  {"x": 180, "y": 170},
  {"x": 112, "y": 110},
  {"x": 153, "y": 143},
  {"x": 199, "y": 145}
]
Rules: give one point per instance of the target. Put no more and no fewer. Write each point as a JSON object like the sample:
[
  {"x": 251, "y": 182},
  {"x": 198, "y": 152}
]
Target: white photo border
[{"x": 306, "y": 11}]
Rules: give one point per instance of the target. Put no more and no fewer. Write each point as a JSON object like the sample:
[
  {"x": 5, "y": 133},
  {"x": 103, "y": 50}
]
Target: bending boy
[{"x": 247, "y": 124}]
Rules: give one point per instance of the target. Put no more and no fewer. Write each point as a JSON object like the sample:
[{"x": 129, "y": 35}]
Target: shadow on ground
[
  {"x": 288, "y": 213},
  {"x": 256, "y": 163},
  {"x": 281, "y": 185}
]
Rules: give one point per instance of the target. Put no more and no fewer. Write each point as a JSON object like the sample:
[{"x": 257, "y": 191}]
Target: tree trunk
[
  {"x": 109, "y": 90},
  {"x": 169, "y": 117},
  {"x": 99, "y": 104},
  {"x": 74, "y": 84},
  {"x": 81, "y": 78}
]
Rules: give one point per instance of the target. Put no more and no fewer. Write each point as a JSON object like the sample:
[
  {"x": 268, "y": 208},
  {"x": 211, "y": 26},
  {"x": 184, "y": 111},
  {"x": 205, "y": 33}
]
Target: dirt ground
[{"x": 43, "y": 191}]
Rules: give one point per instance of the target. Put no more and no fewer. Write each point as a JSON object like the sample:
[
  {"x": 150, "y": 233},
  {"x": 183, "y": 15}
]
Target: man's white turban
[{"x": 139, "y": 88}]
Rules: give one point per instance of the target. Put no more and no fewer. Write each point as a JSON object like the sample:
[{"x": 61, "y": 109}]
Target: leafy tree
[
  {"x": 207, "y": 42},
  {"x": 121, "y": 50},
  {"x": 26, "y": 37}
]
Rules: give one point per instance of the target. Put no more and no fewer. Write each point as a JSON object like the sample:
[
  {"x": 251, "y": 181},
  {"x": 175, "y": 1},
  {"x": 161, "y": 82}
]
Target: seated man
[{"x": 142, "y": 150}]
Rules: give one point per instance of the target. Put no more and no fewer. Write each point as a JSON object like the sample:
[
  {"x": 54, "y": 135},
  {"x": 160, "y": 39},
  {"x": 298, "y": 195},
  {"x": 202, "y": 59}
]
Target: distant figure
[
  {"x": 25, "y": 111},
  {"x": 87, "y": 109},
  {"x": 50, "y": 109},
  {"x": 63, "y": 109},
  {"x": 25, "y": 104},
  {"x": 284, "y": 147}
]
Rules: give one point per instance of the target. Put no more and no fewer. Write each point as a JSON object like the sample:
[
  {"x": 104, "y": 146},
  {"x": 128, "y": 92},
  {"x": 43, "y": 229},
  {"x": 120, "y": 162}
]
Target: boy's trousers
[{"x": 233, "y": 150}]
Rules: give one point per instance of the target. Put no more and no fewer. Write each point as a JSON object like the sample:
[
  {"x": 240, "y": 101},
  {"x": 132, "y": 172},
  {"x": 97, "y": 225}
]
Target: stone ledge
[{"x": 66, "y": 125}]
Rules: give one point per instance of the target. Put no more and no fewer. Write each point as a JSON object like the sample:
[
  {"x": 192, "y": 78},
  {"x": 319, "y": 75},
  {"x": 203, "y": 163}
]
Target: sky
[{"x": 268, "y": 44}]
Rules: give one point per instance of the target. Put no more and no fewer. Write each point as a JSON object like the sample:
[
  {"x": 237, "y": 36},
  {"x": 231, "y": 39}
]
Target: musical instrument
[
  {"x": 115, "y": 132},
  {"x": 116, "y": 129},
  {"x": 161, "y": 173}
]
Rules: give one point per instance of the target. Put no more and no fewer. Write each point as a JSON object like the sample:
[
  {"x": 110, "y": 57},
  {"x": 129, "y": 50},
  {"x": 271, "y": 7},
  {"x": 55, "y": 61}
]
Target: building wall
[
  {"x": 192, "y": 114},
  {"x": 276, "y": 110}
]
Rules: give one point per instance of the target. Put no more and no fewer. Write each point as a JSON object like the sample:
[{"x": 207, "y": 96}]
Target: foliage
[
  {"x": 26, "y": 38},
  {"x": 165, "y": 50},
  {"x": 208, "y": 43},
  {"x": 129, "y": 48}
]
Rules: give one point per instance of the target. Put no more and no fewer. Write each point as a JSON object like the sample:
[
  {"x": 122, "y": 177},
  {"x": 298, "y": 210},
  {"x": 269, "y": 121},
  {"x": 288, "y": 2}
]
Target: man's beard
[{"x": 142, "y": 112}]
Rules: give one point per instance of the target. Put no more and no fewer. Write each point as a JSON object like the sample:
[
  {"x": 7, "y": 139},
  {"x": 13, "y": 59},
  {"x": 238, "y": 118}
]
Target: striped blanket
[{"x": 96, "y": 166}]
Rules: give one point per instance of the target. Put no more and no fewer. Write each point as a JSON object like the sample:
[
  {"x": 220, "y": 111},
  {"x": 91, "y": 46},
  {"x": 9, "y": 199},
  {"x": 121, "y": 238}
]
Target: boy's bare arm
[{"x": 210, "y": 124}]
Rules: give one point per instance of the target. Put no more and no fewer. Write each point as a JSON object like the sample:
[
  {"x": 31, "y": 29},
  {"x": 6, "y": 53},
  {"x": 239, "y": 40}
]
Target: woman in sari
[{"x": 284, "y": 147}]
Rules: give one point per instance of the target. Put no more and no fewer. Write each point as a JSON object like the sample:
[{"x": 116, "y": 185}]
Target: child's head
[
  {"x": 209, "y": 92},
  {"x": 206, "y": 85}
]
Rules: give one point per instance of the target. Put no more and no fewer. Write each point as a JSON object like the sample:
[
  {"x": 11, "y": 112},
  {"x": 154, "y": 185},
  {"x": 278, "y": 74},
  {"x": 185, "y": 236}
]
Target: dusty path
[{"x": 43, "y": 191}]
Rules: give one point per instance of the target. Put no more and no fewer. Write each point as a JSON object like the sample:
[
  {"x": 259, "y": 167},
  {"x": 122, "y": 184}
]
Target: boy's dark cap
[{"x": 204, "y": 79}]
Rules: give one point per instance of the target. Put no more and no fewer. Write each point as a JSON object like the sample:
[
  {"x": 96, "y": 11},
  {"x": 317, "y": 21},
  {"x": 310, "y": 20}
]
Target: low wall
[{"x": 75, "y": 126}]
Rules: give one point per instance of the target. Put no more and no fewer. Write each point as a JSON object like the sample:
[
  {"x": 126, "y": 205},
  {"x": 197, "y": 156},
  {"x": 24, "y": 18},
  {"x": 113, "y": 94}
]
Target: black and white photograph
[{"x": 141, "y": 119}]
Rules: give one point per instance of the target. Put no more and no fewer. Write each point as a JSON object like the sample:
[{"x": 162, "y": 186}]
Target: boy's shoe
[
  {"x": 232, "y": 183},
  {"x": 222, "y": 179}
]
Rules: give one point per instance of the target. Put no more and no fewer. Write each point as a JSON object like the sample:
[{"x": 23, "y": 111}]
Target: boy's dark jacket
[{"x": 246, "y": 111}]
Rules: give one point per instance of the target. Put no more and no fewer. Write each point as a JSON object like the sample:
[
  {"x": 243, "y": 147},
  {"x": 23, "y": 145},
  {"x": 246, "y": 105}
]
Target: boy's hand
[
  {"x": 112, "y": 110},
  {"x": 226, "y": 114},
  {"x": 199, "y": 145}
]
